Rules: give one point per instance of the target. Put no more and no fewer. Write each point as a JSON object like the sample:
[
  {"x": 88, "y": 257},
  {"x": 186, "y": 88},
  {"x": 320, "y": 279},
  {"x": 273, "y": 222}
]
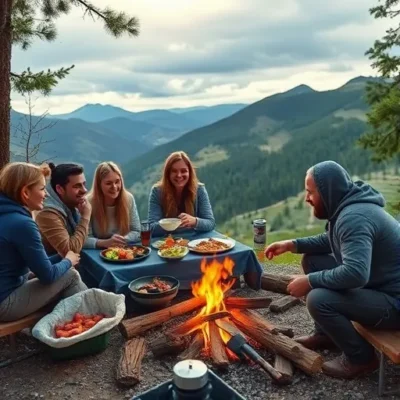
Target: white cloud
[{"x": 203, "y": 52}]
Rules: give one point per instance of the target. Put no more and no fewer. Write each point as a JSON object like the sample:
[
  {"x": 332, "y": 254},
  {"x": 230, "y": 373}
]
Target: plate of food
[
  {"x": 173, "y": 253},
  {"x": 125, "y": 254},
  {"x": 169, "y": 241},
  {"x": 154, "y": 291},
  {"x": 211, "y": 245}
]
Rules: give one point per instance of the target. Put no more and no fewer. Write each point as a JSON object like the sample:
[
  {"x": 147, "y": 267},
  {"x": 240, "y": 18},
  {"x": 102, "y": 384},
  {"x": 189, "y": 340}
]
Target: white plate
[
  {"x": 192, "y": 245},
  {"x": 176, "y": 257}
]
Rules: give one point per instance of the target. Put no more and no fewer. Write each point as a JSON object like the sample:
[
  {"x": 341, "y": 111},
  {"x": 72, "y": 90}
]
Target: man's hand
[
  {"x": 187, "y": 221},
  {"x": 277, "y": 248},
  {"x": 85, "y": 209},
  {"x": 299, "y": 286}
]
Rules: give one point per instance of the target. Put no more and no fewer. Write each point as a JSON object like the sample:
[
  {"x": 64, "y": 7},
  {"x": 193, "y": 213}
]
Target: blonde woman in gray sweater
[{"x": 115, "y": 219}]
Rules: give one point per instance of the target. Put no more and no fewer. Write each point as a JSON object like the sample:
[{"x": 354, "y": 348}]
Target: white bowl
[{"x": 169, "y": 224}]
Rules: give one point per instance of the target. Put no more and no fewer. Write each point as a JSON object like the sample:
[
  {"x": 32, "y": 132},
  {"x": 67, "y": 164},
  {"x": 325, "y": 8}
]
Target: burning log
[
  {"x": 254, "y": 326},
  {"x": 228, "y": 327},
  {"x": 164, "y": 345},
  {"x": 138, "y": 325},
  {"x": 283, "y": 304},
  {"x": 217, "y": 347},
  {"x": 130, "y": 363},
  {"x": 285, "y": 368},
  {"x": 275, "y": 283},
  {"x": 247, "y": 302},
  {"x": 196, "y": 322},
  {"x": 195, "y": 347}
]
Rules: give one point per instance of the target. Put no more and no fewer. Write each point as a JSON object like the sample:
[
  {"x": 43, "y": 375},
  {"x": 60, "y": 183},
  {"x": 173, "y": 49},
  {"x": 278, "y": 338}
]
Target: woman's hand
[
  {"x": 188, "y": 221},
  {"x": 115, "y": 241},
  {"x": 73, "y": 257}
]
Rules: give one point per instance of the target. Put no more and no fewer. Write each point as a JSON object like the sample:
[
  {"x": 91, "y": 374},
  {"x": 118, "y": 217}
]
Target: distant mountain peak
[
  {"x": 362, "y": 79},
  {"x": 300, "y": 89}
]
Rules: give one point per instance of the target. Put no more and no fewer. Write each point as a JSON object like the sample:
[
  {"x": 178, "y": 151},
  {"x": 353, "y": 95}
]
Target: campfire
[{"x": 222, "y": 320}]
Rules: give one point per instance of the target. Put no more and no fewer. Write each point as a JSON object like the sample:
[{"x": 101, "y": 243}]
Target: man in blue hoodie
[{"x": 352, "y": 271}]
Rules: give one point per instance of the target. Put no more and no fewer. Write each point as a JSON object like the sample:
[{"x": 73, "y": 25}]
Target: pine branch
[
  {"x": 44, "y": 82},
  {"x": 117, "y": 23}
]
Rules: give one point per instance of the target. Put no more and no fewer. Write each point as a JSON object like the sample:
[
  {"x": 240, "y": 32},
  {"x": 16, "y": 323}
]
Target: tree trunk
[{"x": 5, "y": 88}]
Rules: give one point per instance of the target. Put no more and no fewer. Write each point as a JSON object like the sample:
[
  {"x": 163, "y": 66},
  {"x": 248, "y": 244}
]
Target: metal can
[{"x": 260, "y": 231}]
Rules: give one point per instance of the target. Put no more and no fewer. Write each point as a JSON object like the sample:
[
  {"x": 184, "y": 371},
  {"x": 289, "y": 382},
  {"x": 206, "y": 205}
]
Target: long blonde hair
[
  {"x": 96, "y": 198},
  {"x": 17, "y": 175},
  {"x": 169, "y": 203}
]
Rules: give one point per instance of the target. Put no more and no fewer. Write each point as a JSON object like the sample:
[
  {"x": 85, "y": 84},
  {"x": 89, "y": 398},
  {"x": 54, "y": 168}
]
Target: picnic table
[{"x": 113, "y": 277}]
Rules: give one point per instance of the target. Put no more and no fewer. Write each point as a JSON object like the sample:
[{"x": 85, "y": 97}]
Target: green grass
[{"x": 299, "y": 222}]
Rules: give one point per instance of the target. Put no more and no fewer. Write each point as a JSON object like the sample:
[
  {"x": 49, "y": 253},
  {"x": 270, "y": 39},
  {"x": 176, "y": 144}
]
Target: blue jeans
[{"x": 333, "y": 311}]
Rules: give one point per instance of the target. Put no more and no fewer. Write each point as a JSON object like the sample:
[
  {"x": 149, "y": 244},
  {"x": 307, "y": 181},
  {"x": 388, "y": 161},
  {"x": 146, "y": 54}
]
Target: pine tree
[
  {"x": 384, "y": 95},
  {"x": 22, "y": 21}
]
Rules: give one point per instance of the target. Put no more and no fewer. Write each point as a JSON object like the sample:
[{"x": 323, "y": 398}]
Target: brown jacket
[{"x": 56, "y": 239}]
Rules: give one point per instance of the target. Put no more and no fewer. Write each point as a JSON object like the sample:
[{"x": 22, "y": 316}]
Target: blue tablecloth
[{"x": 116, "y": 277}]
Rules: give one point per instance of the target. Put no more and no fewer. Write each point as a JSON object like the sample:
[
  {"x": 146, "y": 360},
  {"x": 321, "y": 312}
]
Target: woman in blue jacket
[
  {"x": 22, "y": 191},
  {"x": 179, "y": 194}
]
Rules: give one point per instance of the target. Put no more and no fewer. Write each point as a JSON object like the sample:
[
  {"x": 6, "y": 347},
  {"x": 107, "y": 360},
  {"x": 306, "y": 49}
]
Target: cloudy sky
[{"x": 204, "y": 52}]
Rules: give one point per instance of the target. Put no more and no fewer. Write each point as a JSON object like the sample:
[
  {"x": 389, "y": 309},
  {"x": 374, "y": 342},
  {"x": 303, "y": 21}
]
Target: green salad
[{"x": 176, "y": 251}]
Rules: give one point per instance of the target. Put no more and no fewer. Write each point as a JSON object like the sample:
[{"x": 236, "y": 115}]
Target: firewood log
[
  {"x": 195, "y": 347},
  {"x": 194, "y": 322},
  {"x": 285, "y": 367},
  {"x": 130, "y": 363},
  {"x": 275, "y": 283},
  {"x": 164, "y": 345},
  {"x": 138, "y": 325},
  {"x": 217, "y": 347},
  {"x": 254, "y": 326},
  {"x": 283, "y": 304},
  {"x": 247, "y": 302}
]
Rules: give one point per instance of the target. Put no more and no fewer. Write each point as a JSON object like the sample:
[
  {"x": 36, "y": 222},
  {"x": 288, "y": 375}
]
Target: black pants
[{"x": 333, "y": 311}]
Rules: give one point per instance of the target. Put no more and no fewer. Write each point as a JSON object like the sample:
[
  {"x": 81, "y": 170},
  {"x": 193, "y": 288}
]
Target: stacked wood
[
  {"x": 275, "y": 283},
  {"x": 285, "y": 368},
  {"x": 217, "y": 347},
  {"x": 195, "y": 322},
  {"x": 164, "y": 345},
  {"x": 138, "y": 325},
  {"x": 283, "y": 304},
  {"x": 130, "y": 363},
  {"x": 254, "y": 326},
  {"x": 195, "y": 347},
  {"x": 247, "y": 302}
]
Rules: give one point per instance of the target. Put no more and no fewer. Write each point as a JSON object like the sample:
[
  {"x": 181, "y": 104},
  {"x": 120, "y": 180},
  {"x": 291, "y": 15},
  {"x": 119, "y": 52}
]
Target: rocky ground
[{"x": 93, "y": 377}]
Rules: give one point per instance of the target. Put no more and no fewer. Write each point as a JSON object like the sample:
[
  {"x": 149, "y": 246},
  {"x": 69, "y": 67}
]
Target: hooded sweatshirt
[
  {"x": 22, "y": 250},
  {"x": 363, "y": 238},
  {"x": 63, "y": 229}
]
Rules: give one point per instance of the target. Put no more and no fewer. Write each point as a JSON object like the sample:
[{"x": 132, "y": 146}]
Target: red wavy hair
[{"x": 169, "y": 202}]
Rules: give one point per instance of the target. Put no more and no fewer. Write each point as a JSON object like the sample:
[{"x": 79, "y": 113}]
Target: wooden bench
[
  {"x": 387, "y": 343},
  {"x": 11, "y": 328}
]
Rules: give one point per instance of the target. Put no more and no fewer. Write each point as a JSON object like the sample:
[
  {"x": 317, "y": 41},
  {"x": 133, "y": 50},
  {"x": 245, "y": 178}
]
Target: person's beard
[{"x": 320, "y": 211}]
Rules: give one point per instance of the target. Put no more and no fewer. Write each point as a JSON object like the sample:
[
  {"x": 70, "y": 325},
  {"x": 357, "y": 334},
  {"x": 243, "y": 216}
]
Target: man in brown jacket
[{"x": 64, "y": 220}]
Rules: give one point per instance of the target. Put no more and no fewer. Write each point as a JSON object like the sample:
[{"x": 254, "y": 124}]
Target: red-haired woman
[
  {"x": 179, "y": 194},
  {"x": 115, "y": 219}
]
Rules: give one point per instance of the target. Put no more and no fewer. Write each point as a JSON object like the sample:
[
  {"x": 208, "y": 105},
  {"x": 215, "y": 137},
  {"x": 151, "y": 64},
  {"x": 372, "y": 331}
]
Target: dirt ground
[{"x": 93, "y": 377}]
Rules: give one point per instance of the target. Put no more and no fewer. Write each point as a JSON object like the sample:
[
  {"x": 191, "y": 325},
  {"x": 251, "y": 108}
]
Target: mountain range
[
  {"x": 249, "y": 156},
  {"x": 95, "y": 132},
  {"x": 259, "y": 155}
]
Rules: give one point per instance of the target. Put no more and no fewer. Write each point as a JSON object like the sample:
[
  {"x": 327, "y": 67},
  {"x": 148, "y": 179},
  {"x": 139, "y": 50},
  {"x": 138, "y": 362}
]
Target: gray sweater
[
  {"x": 202, "y": 210},
  {"x": 361, "y": 235},
  {"x": 134, "y": 226}
]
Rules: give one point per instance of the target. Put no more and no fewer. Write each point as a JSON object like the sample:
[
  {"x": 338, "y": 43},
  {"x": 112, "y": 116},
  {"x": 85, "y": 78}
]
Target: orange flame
[{"x": 213, "y": 284}]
